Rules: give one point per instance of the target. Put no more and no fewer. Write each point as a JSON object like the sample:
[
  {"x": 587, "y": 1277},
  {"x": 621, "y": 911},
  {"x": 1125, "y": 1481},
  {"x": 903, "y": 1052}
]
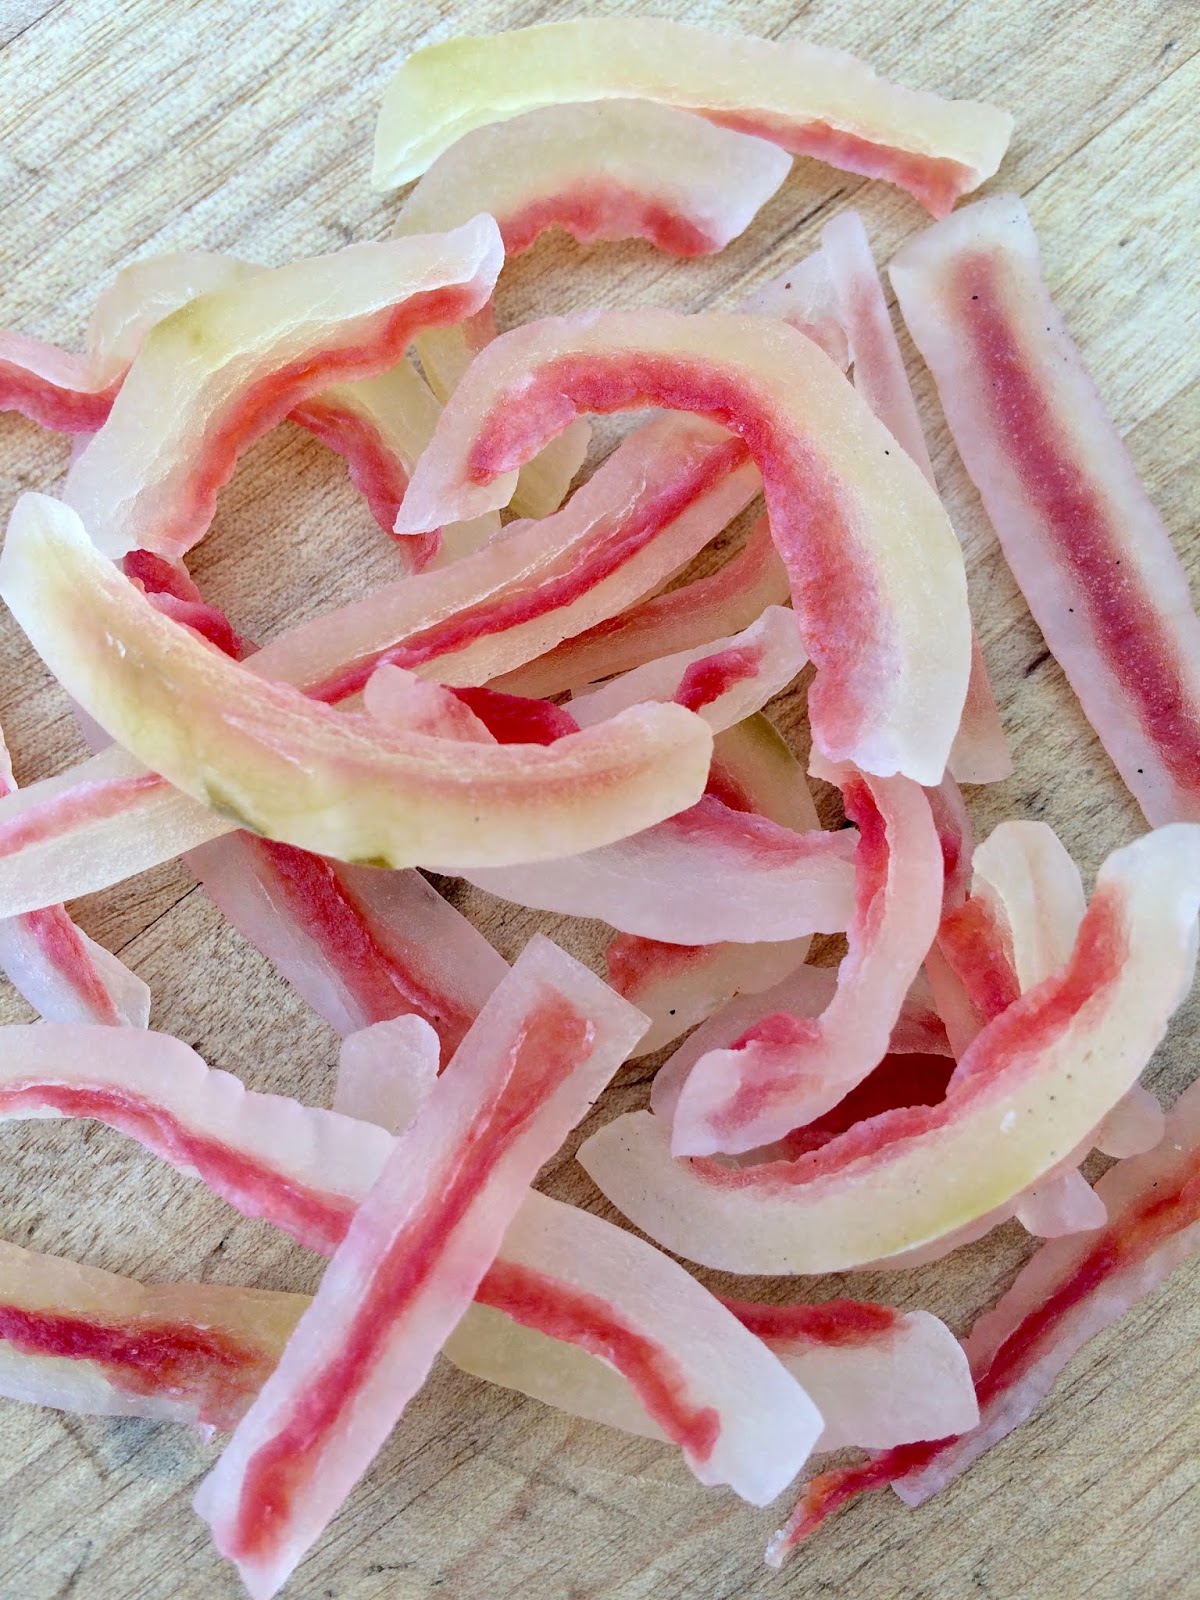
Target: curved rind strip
[
  {"x": 878, "y": 587},
  {"x": 811, "y": 100},
  {"x": 1029, "y": 1090},
  {"x": 653, "y": 504},
  {"x": 268, "y": 758},
  {"x": 610, "y": 169},
  {"x": 980, "y": 753},
  {"x": 218, "y": 373},
  {"x": 788, "y": 1070}
]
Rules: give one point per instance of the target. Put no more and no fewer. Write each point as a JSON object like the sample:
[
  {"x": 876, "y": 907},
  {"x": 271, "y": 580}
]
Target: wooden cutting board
[{"x": 129, "y": 127}]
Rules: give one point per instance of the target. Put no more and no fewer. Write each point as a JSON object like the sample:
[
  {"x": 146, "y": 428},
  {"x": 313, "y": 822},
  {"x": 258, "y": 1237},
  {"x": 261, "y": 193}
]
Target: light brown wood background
[{"x": 132, "y": 126}]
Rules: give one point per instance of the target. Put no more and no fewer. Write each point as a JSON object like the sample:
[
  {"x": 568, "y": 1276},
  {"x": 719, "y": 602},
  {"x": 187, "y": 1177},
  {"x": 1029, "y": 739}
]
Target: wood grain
[{"x": 129, "y": 126}]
